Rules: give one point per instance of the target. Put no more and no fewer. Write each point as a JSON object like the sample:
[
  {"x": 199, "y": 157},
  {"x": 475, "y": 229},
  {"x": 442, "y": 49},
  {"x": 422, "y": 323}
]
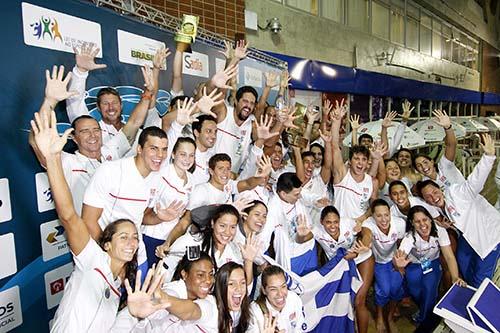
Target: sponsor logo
[
  {"x": 43, "y": 193},
  {"x": 136, "y": 49},
  {"x": 55, "y": 283},
  {"x": 5, "y": 207},
  {"x": 8, "y": 251},
  {"x": 46, "y": 27},
  {"x": 195, "y": 64},
  {"x": 11, "y": 314},
  {"x": 54, "y": 30},
  {"x": 53, "y": 240}
]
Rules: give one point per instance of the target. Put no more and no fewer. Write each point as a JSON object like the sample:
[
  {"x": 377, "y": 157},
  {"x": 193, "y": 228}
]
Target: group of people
[{"x": 172, "y": 220}]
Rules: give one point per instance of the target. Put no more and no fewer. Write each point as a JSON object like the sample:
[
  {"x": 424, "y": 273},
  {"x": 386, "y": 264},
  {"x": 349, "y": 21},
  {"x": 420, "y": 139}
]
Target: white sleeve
[
  {"x": 75, "y": 106},
  {"x": 431, "y": 209},
  {"x": 90, "y": 257},
  {"x": 173, "y": 134},
  {"x": 256, "y": 324},
  {"x": 475, "y": 182},
  {"x": 209, "y": 311},
  {"x": 97, "y": 189},
  {"x": 117, "y": 146},
  {"x": 443, "y": 238},
  {"x": 152, "y": 118},
  {"x": 397, "y": 138},
  {"x": 250, "y": 166},
  {"x": 124, "y": 322},
  {"x": 198, "y": 197},
  {"x": 407, "y": 244},
  {"x": 234, "y": 186}
]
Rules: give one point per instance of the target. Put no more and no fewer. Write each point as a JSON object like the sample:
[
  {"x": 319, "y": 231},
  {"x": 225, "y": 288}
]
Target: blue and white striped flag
[{"x": 328, "y": 295}]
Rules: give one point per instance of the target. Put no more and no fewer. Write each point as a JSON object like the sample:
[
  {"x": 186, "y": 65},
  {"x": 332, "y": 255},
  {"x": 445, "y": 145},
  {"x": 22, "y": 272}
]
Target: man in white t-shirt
[
  {"x": 122, "y": 189},
  {"x": 205, "y": 134}
]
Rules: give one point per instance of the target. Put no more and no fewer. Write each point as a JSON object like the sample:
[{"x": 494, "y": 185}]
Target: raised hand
[
  {"x": 407, "y": 109},
  {"x": 389, "y": 117},
  {"x": 220, "y": 78},
  {"x": 285, "y": 79},
  {"x": 339, "y": 111},
  {"x": 251, "y": 248},
  {"x": 354, "y": 121},
  {"x": 241, "y": 204},
  {"x": 270, "y": 323},
  {"x": 173, "y": 211},
  {"x": 326, "y": 136},
  {"x": 47, "y": 139},
  {"x": 271, "y": 79},
  {"x": 441, "y": 118},
  {"x": 400, "y": 259},
  {"x": 264, "y": 166},
  {"x": 240, "y": 51},
  {"x": 185, "y": 112},
  {"x": 302, "y": 228},
  {"x": 322, "y": 203},
  {"x": 378, "y": 150},
  {"x": 207, "y": 102},
  {"x": 311, "y": 114},
  {"x": 85, "y": 57},
  {"x": 140, "y": 301},
  {"x": 56, "y": 88},
  {"x": 263, "y": 128},
  {"x": 487, "y": 144},
  {"x": 160, "y": 57},
  {"x": 147, "y": 75},
  {"x": 228, "y": 52},
  {"x": 289, "y": 118}
]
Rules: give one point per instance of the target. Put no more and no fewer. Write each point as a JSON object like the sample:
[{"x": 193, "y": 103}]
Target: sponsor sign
[
  {"x": 5, "y": 207},
  {"x": 253, "y": 77},
  {"x": 53, "y": 30},
  {"x": 8, "y": 252},
  {"x": 136, "y": 49},
  {"x": 43, "y": 193},
  {"x": 53, "y": 240},
  {"x": 55, "y": 282},
  {"x": 195, "y": 64},
  {"x": 11, "y": 315}
]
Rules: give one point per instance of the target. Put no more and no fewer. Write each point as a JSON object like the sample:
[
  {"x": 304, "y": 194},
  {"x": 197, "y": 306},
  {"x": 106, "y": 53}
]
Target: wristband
[{"x": 448, "y": 128}]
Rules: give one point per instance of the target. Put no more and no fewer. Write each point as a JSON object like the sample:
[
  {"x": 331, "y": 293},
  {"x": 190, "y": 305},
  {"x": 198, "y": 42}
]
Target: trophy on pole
[{"x": 186, "y": 34}]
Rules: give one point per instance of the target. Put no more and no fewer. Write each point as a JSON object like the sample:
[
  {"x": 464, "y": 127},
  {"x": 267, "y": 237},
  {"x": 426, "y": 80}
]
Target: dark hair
[
  {"x": 414, "y": 159},
  {"x": 390, "y": 160},
  {"x": 327, "y": 210},
  {"x": 288, "y": 181},
  {"x": 131, "y": 266},
  {"x": 306, "y": 154},
  {"x": 220, "y": 292},
  {"x": 220, "y": 157},
  {"x": 358, "y": 149},
  {"x": 181, "y": 141},
  {"x": 85, "y": 116},
  {"x": 411, "y": 214},
  {"x": 266, "y": 273},
  {"x": 379, "y": 202},
  {"x": 185, "y": 264},
  {"x": 208, "y": 240},
  {"x": 395, "y": 183},
  {"x": 406, "y": 150},
  {"x": 151, "y": 131},
  {"x": 423, "y": 183},
  {"x": 365, "y": 136},
  {"x": 107, "y": 91},
  {"x": 198, "y": 124},
  {"x": 181, "y": 98},
  {"x": 253, "y": 204},
  {"x": 246, "y": 89},
  {"x": 320, "y": 148}
]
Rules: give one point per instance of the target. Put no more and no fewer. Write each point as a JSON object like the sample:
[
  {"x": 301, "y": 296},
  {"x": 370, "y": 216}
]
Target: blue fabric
[
  {"x": 472, "y": 268},
  {"x": 151, "y": 244},
  {"x": 388, "y": 284},
  {"x": 305, "y": 263},
  {"x": 423, "y": 288}
]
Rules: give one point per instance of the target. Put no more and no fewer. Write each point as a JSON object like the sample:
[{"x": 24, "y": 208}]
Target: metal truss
[{"x": 149, "y": 14}]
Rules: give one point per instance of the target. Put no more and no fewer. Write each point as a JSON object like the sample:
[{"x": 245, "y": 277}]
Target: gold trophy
[
  {"x": 295, "y": 137},
  {"x": 186, "y": 34}
]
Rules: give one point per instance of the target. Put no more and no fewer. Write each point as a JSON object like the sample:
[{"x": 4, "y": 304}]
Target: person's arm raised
[
  {"x": 339, "y": 168},
  {"x": 450, "y": 140},
  {"x": 50, "y": 145}
]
